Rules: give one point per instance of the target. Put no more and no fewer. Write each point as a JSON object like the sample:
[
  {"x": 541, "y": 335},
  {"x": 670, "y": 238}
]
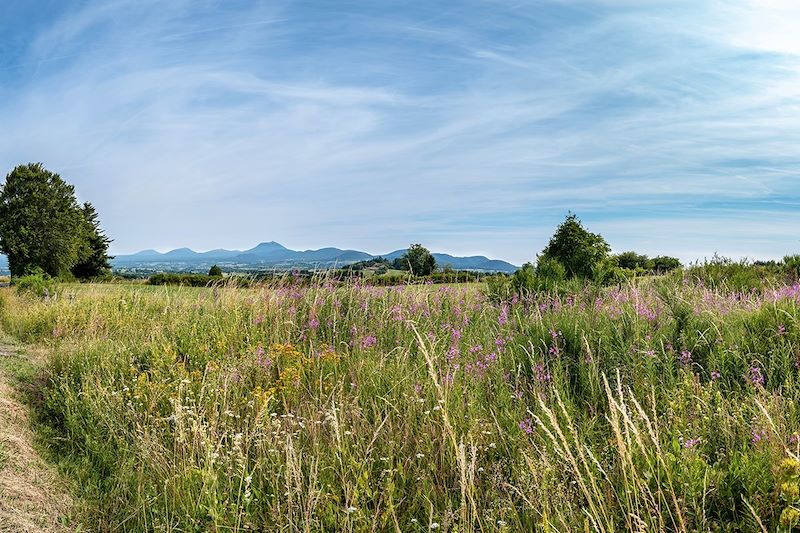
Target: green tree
[
  {"x": 664, "y": 263},
  {"x": 215, "y": 271},
  {"x": 41, "y": 223},
  {"x": 94, "y": 262},
  {"x": 632, "y": 261},
  {"x": 419, "y": 260},
  {"x": 578, "y": 250}
]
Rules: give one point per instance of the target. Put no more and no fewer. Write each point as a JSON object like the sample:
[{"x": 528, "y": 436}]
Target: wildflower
[
  {"x": 758, "y": 436},
  {"x": 434, "y": 525},
  {"x": 715, "y": 375},
  {"x": 313, "y": 322},
  {"x": 790, "y": 517},
  {"x": 420, "y": 455},
  {"x": 369, "y": 341},
  {"x": 351, "y": 510},
  {"x": 263, "y": 360},
  {"x": 790, "y": 491},
  {"x": 756, "y": 377},
  {"x": 794, "y": 438},
  {"x": 503, "y": 318},
  {"x": 781, "y": 329},
  {"x": 542, "y": 375},
  {"x": 526, "y": 426},
  {"x": 691, "y": 443},
  {"x": 685, "y": 357}
]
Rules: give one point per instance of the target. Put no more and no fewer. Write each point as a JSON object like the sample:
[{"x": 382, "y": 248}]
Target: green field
[{"x": 662, "y": 406}]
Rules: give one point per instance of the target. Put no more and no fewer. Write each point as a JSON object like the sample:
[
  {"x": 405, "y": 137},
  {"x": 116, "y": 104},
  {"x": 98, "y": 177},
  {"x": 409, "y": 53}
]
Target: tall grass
[{"x": 665, "y": 407}]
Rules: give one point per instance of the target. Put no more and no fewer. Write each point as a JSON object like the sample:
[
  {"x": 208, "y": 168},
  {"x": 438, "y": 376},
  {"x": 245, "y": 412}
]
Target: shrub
[{"x": 37, "y": 283}]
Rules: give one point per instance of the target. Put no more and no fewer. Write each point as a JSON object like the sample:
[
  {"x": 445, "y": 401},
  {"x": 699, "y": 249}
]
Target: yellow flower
[
  {"x": 789, "y": 469},
  {"x": 790, "y": 491},
  {"x": 790, "y": 517}
]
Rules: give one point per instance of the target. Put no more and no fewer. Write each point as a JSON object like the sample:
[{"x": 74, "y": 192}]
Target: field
[{"x": 660, "y": 405}]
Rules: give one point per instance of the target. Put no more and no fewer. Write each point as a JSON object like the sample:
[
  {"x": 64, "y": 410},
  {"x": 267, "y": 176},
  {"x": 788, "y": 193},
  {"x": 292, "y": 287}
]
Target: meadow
[{"x": 663, "y": 404}]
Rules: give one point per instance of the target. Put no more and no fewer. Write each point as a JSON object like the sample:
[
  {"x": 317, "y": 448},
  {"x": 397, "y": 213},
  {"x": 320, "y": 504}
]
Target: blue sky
[{"x": 470, "y": 126}]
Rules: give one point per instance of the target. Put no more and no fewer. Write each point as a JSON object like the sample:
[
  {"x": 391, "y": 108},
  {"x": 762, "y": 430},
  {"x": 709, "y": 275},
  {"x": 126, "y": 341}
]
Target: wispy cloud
[{"x": 671, "y": 127}]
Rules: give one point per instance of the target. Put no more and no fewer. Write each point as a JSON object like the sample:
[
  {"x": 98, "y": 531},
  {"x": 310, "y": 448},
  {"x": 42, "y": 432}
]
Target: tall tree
[
  {"x": 578, "y": 250},
  {"x": 94, "y": 261},
  {"x": 419, "y": 260},
  {"x": 41, "y": 224}
]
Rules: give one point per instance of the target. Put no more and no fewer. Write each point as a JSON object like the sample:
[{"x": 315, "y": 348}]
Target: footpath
[{"x": 32, "y": 496}]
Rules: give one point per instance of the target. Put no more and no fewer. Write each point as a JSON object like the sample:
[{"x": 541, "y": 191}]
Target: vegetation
[
  {"x": 418, "y": 260},
  {"x": 667, "y": 404},
  {"x": 215, "y": 271},
  {"x": 43, "y": 227},
  {"x": 188, "y": 280},
  {"x": 579, "y": 251}
]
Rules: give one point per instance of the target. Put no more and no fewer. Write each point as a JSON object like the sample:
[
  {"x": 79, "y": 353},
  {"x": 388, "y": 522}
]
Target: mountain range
[{"x": 276, "y": 256}]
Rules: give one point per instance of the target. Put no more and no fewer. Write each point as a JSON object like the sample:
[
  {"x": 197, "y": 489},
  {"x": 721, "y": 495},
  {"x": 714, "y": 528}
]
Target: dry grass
[{"x": 31, "y": 497}]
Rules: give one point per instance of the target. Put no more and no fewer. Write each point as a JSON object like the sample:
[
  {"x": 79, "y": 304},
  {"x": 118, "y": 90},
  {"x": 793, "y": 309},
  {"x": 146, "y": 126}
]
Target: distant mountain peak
[
  {"x": 274, "y": 255},
  {"x": 271, "y": 244}
]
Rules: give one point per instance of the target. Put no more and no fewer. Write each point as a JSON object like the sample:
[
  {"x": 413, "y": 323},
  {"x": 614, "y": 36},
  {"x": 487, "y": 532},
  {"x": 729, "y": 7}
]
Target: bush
[{"x": 37, "y": 283}]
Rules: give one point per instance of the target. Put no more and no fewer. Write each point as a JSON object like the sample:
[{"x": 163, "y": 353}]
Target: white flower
[
  {"x": 501, "y": 523},
  {"x": 420, "y": 455},
  {"x": 435, "y": 525},
  {"x": 351, "y": 509}
]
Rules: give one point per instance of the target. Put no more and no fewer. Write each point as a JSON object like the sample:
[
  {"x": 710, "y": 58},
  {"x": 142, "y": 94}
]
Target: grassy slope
[{"x": 666, "y": 408}]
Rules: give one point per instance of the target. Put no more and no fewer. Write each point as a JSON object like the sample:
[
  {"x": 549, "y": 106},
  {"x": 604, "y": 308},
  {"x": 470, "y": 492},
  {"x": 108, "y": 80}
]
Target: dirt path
[{"x": 31, "y": 496}]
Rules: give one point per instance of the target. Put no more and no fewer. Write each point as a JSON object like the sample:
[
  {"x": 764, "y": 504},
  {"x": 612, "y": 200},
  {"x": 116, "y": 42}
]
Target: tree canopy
[
  {"x": 42, "y": 226},
  {"x": 418, "y": 260},
  {"x": 578, "y": 250}
]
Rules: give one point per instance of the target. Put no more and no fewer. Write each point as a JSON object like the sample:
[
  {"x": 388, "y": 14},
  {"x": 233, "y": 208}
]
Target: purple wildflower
[
  {"x": 503, "y": 318},
  {"x": 691, "y": 443},
  {"x": 369, "y": 341},
  {"x": 262, "y": 359},
  {"x": 756, "y": 377},
  {"x": 685, "y": 357},
  {"x": 542, "y": 375},
  {"x": 758, "y": 436},
  {"x": 526, "y": 426},
  {"x": 715, "y": 375}
]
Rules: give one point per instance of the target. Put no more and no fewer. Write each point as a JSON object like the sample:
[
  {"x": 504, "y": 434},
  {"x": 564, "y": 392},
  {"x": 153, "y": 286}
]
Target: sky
[{"x": 470, "y": 126}]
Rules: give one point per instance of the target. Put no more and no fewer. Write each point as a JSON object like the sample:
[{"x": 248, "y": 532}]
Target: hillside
[{"x": 273, "y": 255}]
